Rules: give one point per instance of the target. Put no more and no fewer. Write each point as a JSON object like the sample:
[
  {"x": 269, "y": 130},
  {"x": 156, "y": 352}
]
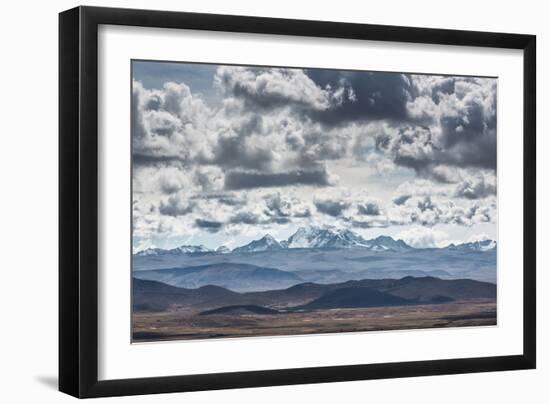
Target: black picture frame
[{"x": 78, "y": 201}]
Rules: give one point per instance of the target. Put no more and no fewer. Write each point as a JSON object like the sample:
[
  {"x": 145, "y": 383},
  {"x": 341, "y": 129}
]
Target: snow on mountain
[
  {"x": 184, "y": 249},
  {"x": 150, "y": 252},
  {"x": 266, "y": 243},
  {"x": 383, "y": 243},
  {"x": 304, "y": 238},
  {"x": 316, "y": 237},
  {"x": 484, "y": 245},
  {"x": 313, "y": 237}
]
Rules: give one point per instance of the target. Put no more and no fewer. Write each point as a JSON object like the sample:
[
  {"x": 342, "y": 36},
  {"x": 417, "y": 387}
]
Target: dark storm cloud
[
  {"x": 470, "y": 136},
  {"x": 370, "y": 95},
  {"x": 415, "y": 147},
  {"x": 209, "y": 225},
  {"x": 444, "y": 86},
  {"x": 368, "y": 209},
  {"x": 232, "y": 151},
  {"x": 451, "y": 122},
  {"x": 235, "y": 180},
  {"x": 331, "y": 207},
  {"x": 477, "y": 151},
  {"x": 245, "y": 218}
]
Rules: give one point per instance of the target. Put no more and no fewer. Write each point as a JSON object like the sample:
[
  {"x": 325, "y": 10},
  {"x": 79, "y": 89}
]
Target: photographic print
[{"x": 274, "y": 201}]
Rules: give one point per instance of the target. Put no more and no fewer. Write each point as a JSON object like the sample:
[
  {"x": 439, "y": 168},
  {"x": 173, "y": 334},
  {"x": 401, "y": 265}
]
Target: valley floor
[{"x": 181, "y": 325}]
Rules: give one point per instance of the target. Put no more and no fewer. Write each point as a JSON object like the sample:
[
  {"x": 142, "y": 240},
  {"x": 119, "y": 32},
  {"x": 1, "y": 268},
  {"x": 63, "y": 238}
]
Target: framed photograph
[{"x": 251, "y": 201}]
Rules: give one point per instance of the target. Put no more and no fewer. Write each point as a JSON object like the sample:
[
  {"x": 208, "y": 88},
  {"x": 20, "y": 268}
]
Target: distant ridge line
[{"x": 315, "y": 237}]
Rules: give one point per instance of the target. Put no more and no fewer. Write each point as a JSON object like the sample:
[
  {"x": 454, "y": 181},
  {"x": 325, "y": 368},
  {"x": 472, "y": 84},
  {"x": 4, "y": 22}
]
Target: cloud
[
  {"x": 140, "y": 159},
  {"x": 430, "y": 203},
  {"x": 458, "y": 129},
  {"x": 331, "y": 207},
  {"x": 174, "y": 206},
  {"x": 476, "y": 188},
  {"x": 423, "y": 237},
  {"x": 169, "y": 185},
  {"x": 165, "y": 180},
  {"x": 208, "y": 178},
  {"x": 369, "y": 224},
  {"x": 245, "y": 218},
  {"x": 169, "y": 125},
  {"x": 276, "y": 206},
  {"x": 280, "y": 208},
  {"x": 253, "y": 219},
  {"x": 401, "y": 199},
  {"x": 236, "y": 180},
  {"x": 425, "y": 204},
  {"x": 208, "y": 225},
  {"x": 247, "y": 155},
  {"x": 452, "y": 124},
  {"x": 369, "y": 208},
  {"x": 273, "y": 87},
  {"x": 224, "y": 198},
  {"x": 370, "y": 96}
]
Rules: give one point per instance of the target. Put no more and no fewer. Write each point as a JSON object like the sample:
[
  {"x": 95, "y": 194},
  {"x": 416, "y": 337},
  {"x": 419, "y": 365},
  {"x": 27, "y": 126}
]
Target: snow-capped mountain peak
[
  {"x": 482, "y": 245},
  {"x": 383, "y": 243},
  {"x": 183, "y": 249},
  {"x": 266, "y": 243},
  {"x": 303, "y": 238},
  {"x": 150, "y": 252},
  {"x": 310, "y": 237},
  {"x": 317, "y": 237},
  {"x": 186, "y": 249}
]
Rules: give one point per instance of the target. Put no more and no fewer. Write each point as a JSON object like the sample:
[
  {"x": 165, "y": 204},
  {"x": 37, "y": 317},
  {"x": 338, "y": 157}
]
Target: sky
[{"x": 225, "y": 154}]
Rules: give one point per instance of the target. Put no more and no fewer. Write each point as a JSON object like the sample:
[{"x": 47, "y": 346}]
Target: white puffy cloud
[
  {"x": 276, "y": 87},
  {"x": 476, "y": 187},
  {"x": 170, "y": 124},
  {"x": 424, "y": 237}
]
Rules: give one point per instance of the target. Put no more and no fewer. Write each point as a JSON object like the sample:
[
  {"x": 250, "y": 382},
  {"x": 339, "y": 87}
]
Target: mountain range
[
  {"x": 313, "y": 238},
  {"x": 483, "y": 245},
  {"x": 156, "y": 296},
  {"x": 266, "y": 243},
  {"x": 184, "y": 249},
  {"x": 235, "y": 276}
]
